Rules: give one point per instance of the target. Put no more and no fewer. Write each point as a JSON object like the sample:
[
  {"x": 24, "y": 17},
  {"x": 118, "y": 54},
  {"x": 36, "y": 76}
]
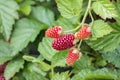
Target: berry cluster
[
  {"x": 67, "y": 41},
  {"x": 2, "y": 68}
]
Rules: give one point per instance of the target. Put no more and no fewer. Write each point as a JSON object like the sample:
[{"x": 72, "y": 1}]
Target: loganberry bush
[{"x": 59, "y": 39}]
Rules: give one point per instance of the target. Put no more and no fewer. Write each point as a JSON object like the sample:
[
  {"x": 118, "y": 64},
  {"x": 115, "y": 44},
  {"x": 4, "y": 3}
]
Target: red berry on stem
[
  {"x": 54, "y": 32},
  {"x": 83, "y": 33},
  {"x": 2, "y": 67},
  {"x": 73, "y": 56},
  {"x": 2, "y": 77},
  {"x": 63, "y": 42}
]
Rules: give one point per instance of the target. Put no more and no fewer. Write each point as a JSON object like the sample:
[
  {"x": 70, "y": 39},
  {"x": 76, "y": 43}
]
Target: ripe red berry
[
  {"x": 73, "y": 56},
  {"x": 63, "y": 42},
  {"x": 83, "y": 33},
  {"x": 2, "y": 77},
  {"x": 54, "y": 32},
  {"x": 2, "y": 67}
]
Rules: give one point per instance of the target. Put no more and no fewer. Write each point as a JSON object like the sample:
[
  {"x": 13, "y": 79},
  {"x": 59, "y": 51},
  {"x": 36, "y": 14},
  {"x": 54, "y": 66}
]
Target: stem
[
  {"x": 91, "y": 17},
  {"x": 84, "y": 18},
  {"x": 73, "y": 29},
  {"x": 86, "y": 13},
  {"x": 79, "y": 44},
  {"x": 52, "y": 70}
]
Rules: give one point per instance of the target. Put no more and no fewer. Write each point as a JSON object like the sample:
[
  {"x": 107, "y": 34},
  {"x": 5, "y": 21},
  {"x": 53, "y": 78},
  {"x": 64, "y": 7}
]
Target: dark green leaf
[{"x": 113, "y": 56}]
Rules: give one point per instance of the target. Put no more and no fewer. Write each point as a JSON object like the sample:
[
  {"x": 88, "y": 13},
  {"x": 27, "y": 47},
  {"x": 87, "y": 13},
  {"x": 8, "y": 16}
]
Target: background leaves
[
  {"x": 8, "y": 14},
  {"x": 5, "y": 52},
  {"x": 106, "y": 43},
  {"x": 22, "y": 37},
  {"x": 100, "y": 28},
  {"x": 12, "y": 67},
  {"x": 113, "y": 56},
  {"x": 26, "y": 30},
  {"x": 69, "y": 8},
  {"x": 105, "y": 9},
  {"x": 97, "y": 75},
  {"x": 43, "y": 14}
]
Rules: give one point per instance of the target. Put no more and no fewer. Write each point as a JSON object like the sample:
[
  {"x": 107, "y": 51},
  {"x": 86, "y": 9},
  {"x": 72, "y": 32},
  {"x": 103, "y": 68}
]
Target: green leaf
[
  {"x": 105, "y": 9},
  {"x": 59, "y": 59},
  {"x": 44, "y": 66},
  {"x": 100, "y": 74},
  {"x": 115, "y": 26},
  {"x": 83, "y": 63},
  {"x": 62, "y": 76},
  {"x": 5, "y": 52},
  {"x": 8, "y": 14},
  {"x": 32, "y": 72},
  {"x": 64, "y": 23},
  {"x": 117, "y": 5},
  {"x": 69, "y": 8},
  {"x": 100, "y": 28},
  {"x": 0, "y": 21},
  {"x": 45, "y": 48},
  {"x": 18, "y": 1},
  {"x": 25, "y": 31},
  {"x": 18, "y": 76},
  {"x": 43, "y": 14},
  {"x": 113, "y": 56},
  {"x": 106, "y": 43},
  {"x": 25, "y": 7},
  {"x": 13, "y": 67}
]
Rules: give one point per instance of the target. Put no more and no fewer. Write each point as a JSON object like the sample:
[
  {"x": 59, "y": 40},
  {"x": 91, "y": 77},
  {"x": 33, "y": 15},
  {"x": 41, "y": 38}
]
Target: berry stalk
[{"x": 84, "y": 18}]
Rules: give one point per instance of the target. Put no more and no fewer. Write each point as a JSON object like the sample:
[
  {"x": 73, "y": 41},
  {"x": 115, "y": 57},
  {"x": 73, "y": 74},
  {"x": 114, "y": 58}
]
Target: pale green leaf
[
  {"x": 32, "y": 72},
  {"x": 25, "y": 31},
  {"x": 43, "y": 14},
  {"x": 113, "y": 56},
  {"x": 45, "y": 48},
  {"x": 62, "y": 76},
  {"x": 18, "y": 1},
  {"x": 115, "y": 26},
  {"x": 117, "y": 5},
  {"x": 13, "y": 67},
  {"x": 100, "y": 28},
  {"x": 100, "y": 74},
  {"x": 106, "y": 43},
  {"x": 8, "y": 14},
  {"x": 25, "y": 7},
  {"x": 59, "y": 59},
  {"x": 5, "y": 52},
  {"x": 69, "y": 8},
  {"x": 44, "y": 66},
  {"x": 64, "y": 23},
  {"x": 105, "y": 9}
]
